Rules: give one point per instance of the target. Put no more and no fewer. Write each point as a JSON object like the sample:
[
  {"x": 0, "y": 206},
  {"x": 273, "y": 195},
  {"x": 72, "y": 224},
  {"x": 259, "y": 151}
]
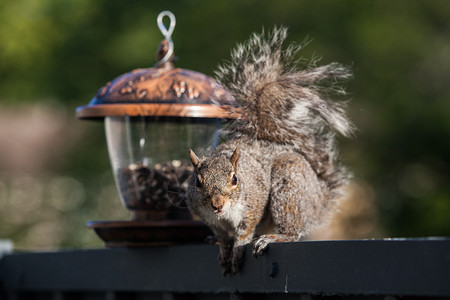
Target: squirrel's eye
[
  {"x": 197, "y": 182},
  {"x": 234, "y": 180}
]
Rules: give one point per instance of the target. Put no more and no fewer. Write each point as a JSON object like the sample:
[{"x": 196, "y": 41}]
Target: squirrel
[{"x": 277, "y": 175}]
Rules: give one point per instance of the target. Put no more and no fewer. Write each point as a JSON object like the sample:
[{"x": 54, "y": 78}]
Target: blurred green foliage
[{"x": 64, "y": 51}]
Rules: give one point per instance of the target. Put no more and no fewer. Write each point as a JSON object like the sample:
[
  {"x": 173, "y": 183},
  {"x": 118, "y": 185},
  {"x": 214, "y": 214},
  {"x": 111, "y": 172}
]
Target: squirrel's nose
[
  {"x": 217, "y": 203},
  {"x": 217, "y": 206}
]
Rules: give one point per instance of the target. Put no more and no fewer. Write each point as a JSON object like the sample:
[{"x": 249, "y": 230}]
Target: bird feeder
[{"x": 152, "y": 117}]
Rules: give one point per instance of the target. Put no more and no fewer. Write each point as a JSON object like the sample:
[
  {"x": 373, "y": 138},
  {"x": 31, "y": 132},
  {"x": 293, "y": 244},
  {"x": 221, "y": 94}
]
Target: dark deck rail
[{"x": 368, "y": 268}]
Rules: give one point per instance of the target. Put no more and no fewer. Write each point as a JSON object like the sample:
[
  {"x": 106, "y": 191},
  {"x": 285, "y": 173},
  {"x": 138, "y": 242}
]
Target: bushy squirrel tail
[{"x": 287, "y": 102}]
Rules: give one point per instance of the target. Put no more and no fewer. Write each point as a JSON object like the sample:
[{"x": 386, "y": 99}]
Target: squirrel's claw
[
  {"x": 226, "y": 271},
  {"x": 261, "y": 243},
  {"x": 258, "y": 250}
]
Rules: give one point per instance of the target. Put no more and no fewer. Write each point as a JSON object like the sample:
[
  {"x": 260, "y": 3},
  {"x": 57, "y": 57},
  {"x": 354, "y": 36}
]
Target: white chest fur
[{"x": 233, "y": 214}]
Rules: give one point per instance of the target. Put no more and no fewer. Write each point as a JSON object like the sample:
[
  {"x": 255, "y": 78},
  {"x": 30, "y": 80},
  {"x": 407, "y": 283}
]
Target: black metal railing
[{"x": 360, "y": 268}]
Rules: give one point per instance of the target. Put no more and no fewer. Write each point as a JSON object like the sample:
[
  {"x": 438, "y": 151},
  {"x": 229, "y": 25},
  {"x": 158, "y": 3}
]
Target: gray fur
[{"x": 288, "y": 174}]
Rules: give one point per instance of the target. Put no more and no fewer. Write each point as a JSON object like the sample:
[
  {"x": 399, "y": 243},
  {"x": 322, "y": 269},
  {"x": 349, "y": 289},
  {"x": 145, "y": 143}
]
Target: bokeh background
[{"x": 54, "y": 56}]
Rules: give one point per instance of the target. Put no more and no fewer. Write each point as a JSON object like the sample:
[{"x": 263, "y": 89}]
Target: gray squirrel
[{"x": 277, "y": 175}]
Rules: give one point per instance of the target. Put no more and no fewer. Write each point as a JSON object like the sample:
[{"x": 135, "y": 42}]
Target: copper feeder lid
[{"x": 162, "y": 91}]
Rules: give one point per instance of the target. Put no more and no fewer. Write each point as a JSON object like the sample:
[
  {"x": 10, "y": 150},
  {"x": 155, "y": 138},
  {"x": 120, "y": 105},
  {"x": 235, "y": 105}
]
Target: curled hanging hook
[{"x": 167, "y": 33}]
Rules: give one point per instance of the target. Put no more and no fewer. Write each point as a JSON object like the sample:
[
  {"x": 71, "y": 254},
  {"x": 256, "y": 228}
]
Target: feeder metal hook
[{"x": 167, "y": 33}]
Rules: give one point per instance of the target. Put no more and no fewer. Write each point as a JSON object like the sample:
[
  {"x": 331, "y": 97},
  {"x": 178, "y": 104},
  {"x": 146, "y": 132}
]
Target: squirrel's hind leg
[{"x": 297, "y": 201}]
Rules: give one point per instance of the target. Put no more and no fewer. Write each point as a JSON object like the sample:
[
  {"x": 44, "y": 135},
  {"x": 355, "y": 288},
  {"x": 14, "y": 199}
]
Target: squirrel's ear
[
  {"x": 194, "y": 159},
  {"x": 235, "y": 157}
]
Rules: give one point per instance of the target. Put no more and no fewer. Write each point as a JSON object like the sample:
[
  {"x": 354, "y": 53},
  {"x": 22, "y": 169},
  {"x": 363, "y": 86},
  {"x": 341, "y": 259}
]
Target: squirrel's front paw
[
  {"x": 225, "y": 255},
  {"x": 237, "y": 259},
  {"x": 261, "y": 243},
  {"x": 225, "y": 263}
]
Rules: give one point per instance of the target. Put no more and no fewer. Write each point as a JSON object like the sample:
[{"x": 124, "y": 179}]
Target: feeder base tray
[{"x": 149, "y": 233}]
